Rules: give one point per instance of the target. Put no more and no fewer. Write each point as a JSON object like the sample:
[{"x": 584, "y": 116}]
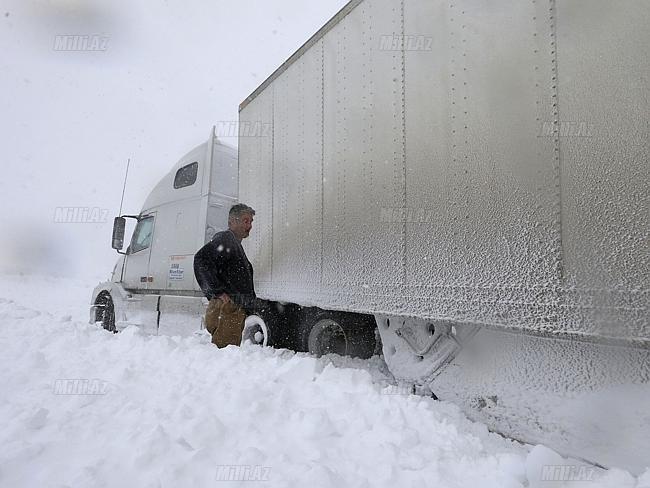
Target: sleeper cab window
[{"x": 186, "y": 176}]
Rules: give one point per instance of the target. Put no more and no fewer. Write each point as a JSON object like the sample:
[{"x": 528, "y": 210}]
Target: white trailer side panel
[
  {"x": 297, "y": 158},
  {"x": 475, "y": 163},
  {"x": 363, "y": 153},
  {"x": 603, "y": 92},
  {"x": 256, "y": 181}
]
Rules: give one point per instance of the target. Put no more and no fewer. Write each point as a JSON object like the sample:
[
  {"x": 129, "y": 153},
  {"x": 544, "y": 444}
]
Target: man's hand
[{"x": 224, "y": 297}]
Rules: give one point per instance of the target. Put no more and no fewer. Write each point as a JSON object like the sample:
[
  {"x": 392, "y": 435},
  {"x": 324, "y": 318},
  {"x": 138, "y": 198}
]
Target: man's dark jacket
[{"x": 221, "y": 266}]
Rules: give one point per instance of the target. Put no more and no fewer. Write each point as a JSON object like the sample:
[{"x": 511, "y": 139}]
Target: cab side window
[
  {"x": 142, "y": 235},
  {"x": 186, "y": 176}
]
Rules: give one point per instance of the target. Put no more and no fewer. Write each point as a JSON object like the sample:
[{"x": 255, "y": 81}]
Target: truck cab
[{"x": 153, "y": 284}]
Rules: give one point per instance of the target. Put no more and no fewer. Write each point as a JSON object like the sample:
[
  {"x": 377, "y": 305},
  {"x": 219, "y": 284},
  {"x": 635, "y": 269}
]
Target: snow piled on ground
[{"x": 151, "y": 411}]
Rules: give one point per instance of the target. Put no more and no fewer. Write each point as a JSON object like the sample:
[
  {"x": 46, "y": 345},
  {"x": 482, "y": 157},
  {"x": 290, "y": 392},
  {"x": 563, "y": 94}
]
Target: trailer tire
[
  {"x": 106, "y": 311},
  {"x": 266, "y": 319},
  {"x": 345, "y": 334},
  {"x": 279, "y": 324}
]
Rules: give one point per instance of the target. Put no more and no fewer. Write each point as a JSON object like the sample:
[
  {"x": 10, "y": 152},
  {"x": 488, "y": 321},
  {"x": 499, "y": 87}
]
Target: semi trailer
[{"x": 460, "y": 186}]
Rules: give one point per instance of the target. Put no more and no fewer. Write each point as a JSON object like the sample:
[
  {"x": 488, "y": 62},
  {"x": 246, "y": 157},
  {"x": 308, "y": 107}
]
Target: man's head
[{"x": 240, "y": 220}]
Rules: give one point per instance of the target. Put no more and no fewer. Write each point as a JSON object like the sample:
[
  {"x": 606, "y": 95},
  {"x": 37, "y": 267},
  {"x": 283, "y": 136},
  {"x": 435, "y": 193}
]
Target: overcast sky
[{"x": 163, "y": 74}]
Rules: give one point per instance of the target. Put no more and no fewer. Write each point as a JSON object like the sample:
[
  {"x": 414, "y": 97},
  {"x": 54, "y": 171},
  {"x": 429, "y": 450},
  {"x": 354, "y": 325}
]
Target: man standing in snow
[{"x": 225, "y": 275}]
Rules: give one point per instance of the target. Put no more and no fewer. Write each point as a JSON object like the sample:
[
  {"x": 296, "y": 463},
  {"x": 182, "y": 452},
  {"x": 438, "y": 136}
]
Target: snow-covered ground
[{"x": 81, "y": 407}]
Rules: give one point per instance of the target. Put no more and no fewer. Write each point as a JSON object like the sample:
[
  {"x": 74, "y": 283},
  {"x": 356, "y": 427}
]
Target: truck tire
[
  {"x": 345, "y": 334},
  {"x": 275, "y": 321},
  {"x": 106, "y": 311}
]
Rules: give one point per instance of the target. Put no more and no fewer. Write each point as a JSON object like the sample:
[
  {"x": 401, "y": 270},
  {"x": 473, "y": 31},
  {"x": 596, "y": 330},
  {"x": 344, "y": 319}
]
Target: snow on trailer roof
[{"x": 308, "y": 44}]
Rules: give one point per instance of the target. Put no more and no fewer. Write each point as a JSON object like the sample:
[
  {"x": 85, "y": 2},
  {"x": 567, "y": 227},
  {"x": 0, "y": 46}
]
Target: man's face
[{"x": 241, "y": 225}]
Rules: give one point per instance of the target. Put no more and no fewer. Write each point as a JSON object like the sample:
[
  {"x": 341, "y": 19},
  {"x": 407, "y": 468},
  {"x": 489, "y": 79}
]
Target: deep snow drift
[{"x": 84, "y": 407}]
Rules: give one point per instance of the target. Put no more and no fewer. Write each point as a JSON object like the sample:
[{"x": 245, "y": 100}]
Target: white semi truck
[{"x": 465, "y": 180}]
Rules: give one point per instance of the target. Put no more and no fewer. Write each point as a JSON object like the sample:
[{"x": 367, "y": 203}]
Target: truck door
[{"x": 136, "y": 268}]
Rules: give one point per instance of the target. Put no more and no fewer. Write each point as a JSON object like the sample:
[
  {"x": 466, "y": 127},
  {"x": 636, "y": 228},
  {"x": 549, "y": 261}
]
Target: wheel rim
[
  {"x": 327, "y": 337},
  {"x": 252, "y": 325}
]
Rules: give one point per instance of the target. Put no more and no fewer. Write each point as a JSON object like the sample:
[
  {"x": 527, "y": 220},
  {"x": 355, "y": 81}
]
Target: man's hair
[{"x": 237, "y": 210}]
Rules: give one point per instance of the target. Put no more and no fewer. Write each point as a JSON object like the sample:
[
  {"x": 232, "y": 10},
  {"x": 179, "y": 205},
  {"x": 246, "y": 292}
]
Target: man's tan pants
[{"x": 225, "y": 321}]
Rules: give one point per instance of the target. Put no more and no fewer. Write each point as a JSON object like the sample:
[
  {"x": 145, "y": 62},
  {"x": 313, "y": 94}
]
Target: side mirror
[{"x": 119, "y": 225}]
